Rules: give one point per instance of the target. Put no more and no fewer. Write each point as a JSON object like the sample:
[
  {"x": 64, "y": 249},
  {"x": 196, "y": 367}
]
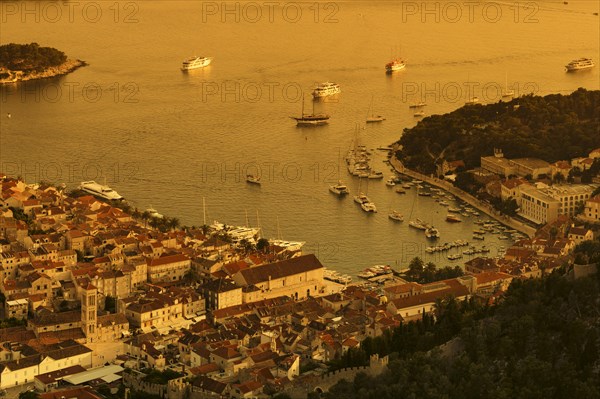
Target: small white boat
[
  {"x": 397, "y": 216},
  {"x": 390, "y": 182},
  {"x": 417, "y": 105},
  {"x": 395, "y": 65},
  {"x": 368, "y": 207},
  {"x": 453, "y": 218},
  {"x": 472, "y": 101},
  {"x": 419, "y": 114},
  {"x": 195, "y": 63},
  {"x": 339, "y": 189},
  {"x": 375, "y": 175},
  {"x": 253, "y": 179},
  {"x": 418, "y": 224},
  {"x": 154, "y": 213},
  {"x": 361, "y": 198},
  {"x": 375, "y": 118},
  {"x": 432, "y": 232}
]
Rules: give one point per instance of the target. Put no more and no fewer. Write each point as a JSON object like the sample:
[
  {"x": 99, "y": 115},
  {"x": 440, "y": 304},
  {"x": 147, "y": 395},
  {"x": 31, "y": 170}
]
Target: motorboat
[
  {"x": 397, "y": 216},
  {"x": 195, "y": 63},
  {"x": 339, "y": 189}
]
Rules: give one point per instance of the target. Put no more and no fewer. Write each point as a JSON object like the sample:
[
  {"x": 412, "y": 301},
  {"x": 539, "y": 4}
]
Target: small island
[{"x": 21, "y": 62}]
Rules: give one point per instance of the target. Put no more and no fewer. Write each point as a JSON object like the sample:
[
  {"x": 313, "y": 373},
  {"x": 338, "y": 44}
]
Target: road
[{"x": 466, "y": 197}]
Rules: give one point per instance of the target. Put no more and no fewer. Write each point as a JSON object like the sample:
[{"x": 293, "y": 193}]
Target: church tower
[{"x": 89, "y": 310}]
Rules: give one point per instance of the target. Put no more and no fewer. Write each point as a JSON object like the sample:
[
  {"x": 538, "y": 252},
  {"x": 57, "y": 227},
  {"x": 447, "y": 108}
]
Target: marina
[{"x": 297, "y": 165}]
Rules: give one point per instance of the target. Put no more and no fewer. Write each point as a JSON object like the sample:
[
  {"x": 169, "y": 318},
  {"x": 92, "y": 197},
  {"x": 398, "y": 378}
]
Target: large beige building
[
  {"x": 298, "y": 278},
  {"x": 538, "y": 206},
  {"x": 543, "y": 205},
  {"x": 520, "y": 167}
]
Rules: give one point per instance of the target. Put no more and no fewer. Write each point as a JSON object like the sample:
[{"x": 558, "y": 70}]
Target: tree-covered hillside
[
  {"x": 554, "y": 127},
  {"x": 29, "y": 57},
  {"x": 541, "y": 341}
]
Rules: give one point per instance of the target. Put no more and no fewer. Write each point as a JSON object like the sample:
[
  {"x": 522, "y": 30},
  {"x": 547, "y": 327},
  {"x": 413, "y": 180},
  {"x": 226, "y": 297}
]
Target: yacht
[
  {"x": 326, "y": 89},
  {"x": 310, "y": 119},
  {"x": 418, "y": 224},
  {"x": 395, "y": 65},
  {"x": 195, "y": 63},
  {"x": 432, "y": 232},
  {"x": 417, "y": 105},
  {"x": 339, "y": 189},
  {"x": 368, "y": 207},
  {"x": 419, "y": 114},
  {"x": 453, "y": 218},
  {"x": 361, "y": 198},
  {"x": 390, "y": 182},
  {"x": 375, "y": 118},
  {"x": 100, "y": 190},
  {"x": 582, "y": 63},
  {"x": 253, "y": 179},
  {"x": 154, "y": 213},
  {"x": 397, "y": 216},
  {"x": 400, "y": 190},
  {"x": 375, "y": 175}
]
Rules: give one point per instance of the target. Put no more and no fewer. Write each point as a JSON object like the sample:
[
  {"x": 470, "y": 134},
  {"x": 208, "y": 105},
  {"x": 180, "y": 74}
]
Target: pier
[{"x": 463, "y": 196}]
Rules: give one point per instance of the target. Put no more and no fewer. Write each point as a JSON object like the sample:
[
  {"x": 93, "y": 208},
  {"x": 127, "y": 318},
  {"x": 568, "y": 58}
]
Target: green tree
[{"x": 262, "y": 245}]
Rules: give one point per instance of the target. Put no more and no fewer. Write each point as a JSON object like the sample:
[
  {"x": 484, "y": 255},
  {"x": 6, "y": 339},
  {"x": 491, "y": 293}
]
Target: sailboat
[
  {"x": 371, "y": 118},
  {"x": 310, "y": 119},
  {"x": 507, "y": 92}
]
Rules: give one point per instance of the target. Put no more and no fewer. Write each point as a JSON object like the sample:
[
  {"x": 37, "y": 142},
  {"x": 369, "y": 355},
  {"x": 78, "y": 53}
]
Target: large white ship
[
  {"x": 99, "y": 190},
  {"x": 195, "y": 63},
  {"x": 326, "y": 89},
  {"x": 582, "y": 63}
]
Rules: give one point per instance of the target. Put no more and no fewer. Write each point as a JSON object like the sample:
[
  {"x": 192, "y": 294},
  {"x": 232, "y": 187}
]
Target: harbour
[{"x": 167, "y": 139}]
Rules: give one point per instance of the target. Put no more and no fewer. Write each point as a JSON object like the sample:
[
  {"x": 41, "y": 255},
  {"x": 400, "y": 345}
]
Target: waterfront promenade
[{"x": 466, "y": 197}]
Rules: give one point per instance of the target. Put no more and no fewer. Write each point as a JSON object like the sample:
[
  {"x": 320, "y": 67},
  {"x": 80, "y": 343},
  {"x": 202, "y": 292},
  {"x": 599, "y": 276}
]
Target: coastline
[
  {"x": 63, "y": 69},
  {"x": 466, "y": 197}
]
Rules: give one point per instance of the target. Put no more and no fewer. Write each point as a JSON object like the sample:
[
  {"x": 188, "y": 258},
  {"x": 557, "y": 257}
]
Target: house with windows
[
  {"x": 168, "y": 267},
  {"x": 298, "y": 278}
]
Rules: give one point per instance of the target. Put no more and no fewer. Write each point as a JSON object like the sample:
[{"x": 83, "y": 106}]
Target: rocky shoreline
[{"x": 63, "y": 69}]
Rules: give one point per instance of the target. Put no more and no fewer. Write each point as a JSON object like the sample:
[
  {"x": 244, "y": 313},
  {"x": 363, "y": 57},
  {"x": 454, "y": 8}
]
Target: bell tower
[{"x": 89, "y": 310}]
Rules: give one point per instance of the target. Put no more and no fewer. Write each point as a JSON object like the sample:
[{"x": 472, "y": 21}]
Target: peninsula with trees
[
  {"x": 21, "y": 62},
  {"x": 552, "y": 128}
]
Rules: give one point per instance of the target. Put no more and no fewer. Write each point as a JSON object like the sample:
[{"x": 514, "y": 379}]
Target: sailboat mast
[
  {"x": 278, "y": 230},
  {"x": 204, "y": 210},
  {"x": 257, "y": 221}
]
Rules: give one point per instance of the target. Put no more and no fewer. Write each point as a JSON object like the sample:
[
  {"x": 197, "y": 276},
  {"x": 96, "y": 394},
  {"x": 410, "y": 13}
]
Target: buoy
[{"x": 8, "y": 115}]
